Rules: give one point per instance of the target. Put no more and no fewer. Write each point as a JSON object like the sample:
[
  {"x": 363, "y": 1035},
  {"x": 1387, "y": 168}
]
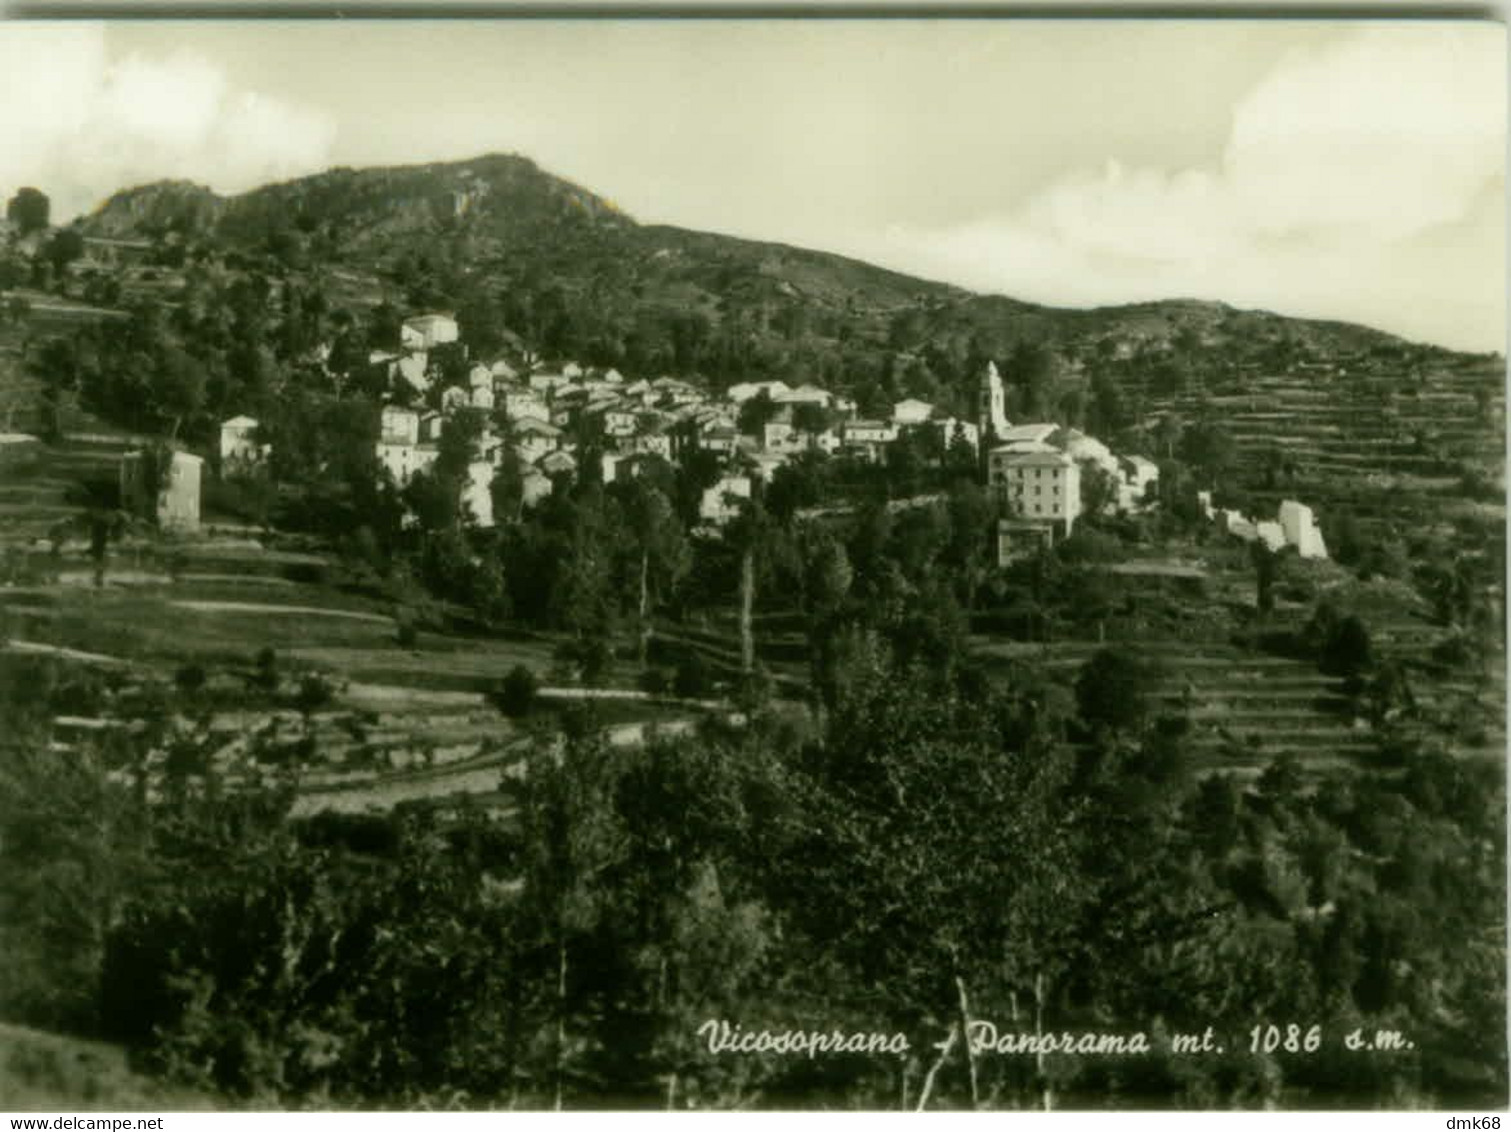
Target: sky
[{"x": 1350, "y": 170}]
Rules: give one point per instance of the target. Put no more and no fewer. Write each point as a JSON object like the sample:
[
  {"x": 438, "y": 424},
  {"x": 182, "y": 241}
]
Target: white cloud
[
  {"x": 79, "y": 125},
  {"x": 1362, "y": 181}
]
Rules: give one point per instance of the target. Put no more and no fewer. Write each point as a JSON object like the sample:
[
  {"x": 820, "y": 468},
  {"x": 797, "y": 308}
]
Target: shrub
[
  {"x": 1087, "y": 545},
  {"x": 267, "y": 669},
  {"x": 1347, "y": 649},
  {"x": 692, "y": 680},
  {"x": 516, "y": 692},
  {"x": 190, "y": 678},
  {"x": 1115, "y": 690}
]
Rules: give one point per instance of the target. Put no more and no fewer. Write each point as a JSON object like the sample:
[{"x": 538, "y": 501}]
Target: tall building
[
  {"x": 991, "y": 404},
  {"x": 1042, "y": 488}
]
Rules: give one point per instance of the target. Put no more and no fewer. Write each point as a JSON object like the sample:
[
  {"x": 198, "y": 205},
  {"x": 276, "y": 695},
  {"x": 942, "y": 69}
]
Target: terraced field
[
  {"x": 403, "y": 722},
  {"x": 1376, "y": 446}
]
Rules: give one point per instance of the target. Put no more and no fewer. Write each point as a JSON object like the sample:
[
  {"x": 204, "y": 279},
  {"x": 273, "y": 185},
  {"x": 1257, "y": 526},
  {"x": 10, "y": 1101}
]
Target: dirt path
[
  {"x": 37, "y": 649},
  {"x": 259, "y": 607}
]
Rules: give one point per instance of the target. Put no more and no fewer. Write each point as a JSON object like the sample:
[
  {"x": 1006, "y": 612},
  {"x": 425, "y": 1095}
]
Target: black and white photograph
[{"x": 930, "y": 564}]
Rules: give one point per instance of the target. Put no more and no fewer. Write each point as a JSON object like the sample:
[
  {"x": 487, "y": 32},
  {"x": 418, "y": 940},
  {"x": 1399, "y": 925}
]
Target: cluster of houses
[
  {"x": 1040, "y": 470},
  {"x": 1293, "y": 526},
  {"x": 535, "y": 411},
  {"x": 538, "y": 409}
]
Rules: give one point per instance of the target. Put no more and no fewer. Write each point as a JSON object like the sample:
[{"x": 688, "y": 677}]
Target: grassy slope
[{"x": 42, "y": 1072}]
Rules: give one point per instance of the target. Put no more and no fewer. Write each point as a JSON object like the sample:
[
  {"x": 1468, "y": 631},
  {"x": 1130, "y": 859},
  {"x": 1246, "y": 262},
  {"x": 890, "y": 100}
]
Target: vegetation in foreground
[{"x": 943, "y": 847}]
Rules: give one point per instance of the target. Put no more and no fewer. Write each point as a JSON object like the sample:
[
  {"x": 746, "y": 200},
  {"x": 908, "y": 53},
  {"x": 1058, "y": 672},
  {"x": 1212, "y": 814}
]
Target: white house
[
  {"x": 238, "y": 442},
  {"x": 547, "y": 383},
  {"x": 719, "y": 438},
  {"x": 748, "y": 389},
  {"x": 454, "y": 397},
  {"x": 1300, "y": 530},
  {"x": 804, "y": 395},
  {"x": 431, "y": 425},
  {"x": 1038, "y": 485},
  {"x": 477, "y": 492},
  {"x": 558, "y": 462},
  {"x": 948, "y": 426},
  {"x": 414, "y": 369},
  {"x": 535, "y": 438},
  {"x": 869, "y": 432},
  {"x": 175, "y": 504},
  {"x": 868, "y": 437},
  {"x": 777, "y": 433},
  {"x": 398, "y": 425},
  {"x": 482, "y": 398},
  {"x": 911, "y": 411},
  {"x": 423, "y": 331},
  {"x": 520, "y": 403},
  {"x": 404, "y": 460},
  {"x": 618, "y": 422},
  {"x": 722, "y": 501},
  {"x": 655, "y": 443},
  {"x": 535, "y": 486}
]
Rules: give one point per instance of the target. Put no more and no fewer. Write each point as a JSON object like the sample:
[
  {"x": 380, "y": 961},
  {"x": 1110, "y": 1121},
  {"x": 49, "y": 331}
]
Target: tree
[
  {"x": 962, "y": 910},
  {"x": 58, "y": 364},
  {"x": 660, "y": 549},
  {"x": 1115, "y": 689},
  {"x": 811, "y": 419},
  {"x": 1347, "y": 650},
  {"x": 747, "y": 534},
  {"x": 1266, "y": 571},
  {"x": 178, "y": 390},
  {"x": 66, "y": 245},
  {"x": 1034, "y": 372},
  {"x": 1098, "y": 489},
  {"x": 29, "y": 210},
  {"x": 1168, "y": 431},
  {"x": 1207, "y": 446},
  {"x": 106, "y": 525},
  {"x": 755, "y": 412}
]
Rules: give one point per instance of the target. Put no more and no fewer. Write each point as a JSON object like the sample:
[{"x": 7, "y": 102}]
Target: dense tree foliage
[{"x": 934, "y": 859}]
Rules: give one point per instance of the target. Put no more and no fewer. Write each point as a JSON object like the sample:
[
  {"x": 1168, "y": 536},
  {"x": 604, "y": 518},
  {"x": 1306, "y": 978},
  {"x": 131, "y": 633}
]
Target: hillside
[{"x": 498, "y": 238}]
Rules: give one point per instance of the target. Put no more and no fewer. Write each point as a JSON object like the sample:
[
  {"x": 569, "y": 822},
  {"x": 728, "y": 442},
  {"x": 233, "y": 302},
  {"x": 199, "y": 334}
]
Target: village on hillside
[
  {"x": 464, "y": 695},
  {"x": 526, "y": 416}
]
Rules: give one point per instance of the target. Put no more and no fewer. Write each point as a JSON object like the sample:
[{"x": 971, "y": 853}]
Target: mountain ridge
[{"x": 573, "y": 274}]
